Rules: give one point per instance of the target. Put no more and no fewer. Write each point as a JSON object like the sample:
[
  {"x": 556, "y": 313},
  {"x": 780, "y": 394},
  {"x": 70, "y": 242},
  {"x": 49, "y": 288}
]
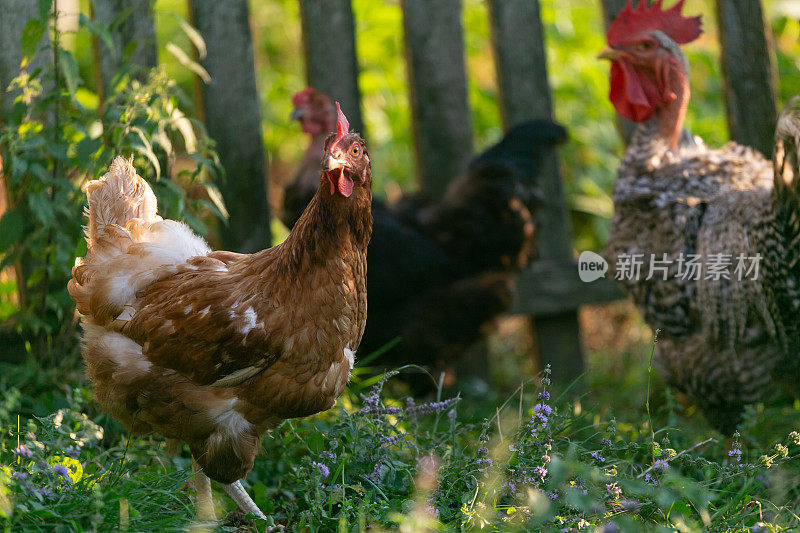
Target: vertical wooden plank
[
  {"x": 438, "y": 87},
  {"x": 329, "y": 44},
  {"x": 134, "y": 28},
  {"x": 610, "y": 10},
  {"x": 517, "y": 36},
  {"x": 233, "y": 119},
  {"x": 749, "y": 74},
  {"x": 14, "y": 14},
  {"x": 525, "y": 94}
]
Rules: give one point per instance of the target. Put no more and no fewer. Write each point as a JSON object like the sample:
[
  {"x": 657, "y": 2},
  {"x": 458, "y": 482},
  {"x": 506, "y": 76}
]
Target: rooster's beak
[
  {"x": 297, "y": 114},
  {"x": 610, "y": 53},
  {"x": 331, "y": 163}
]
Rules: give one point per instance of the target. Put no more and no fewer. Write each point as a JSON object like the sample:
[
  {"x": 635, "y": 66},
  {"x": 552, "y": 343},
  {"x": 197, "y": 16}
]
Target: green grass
[{"x": 384, "y": 461}]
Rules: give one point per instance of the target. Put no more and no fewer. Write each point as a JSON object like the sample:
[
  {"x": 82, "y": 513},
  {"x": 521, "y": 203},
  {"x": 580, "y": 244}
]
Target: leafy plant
[{"x": 52, "y": 141}]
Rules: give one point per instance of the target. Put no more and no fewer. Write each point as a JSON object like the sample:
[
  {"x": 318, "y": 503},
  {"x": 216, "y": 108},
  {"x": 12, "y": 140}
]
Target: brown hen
[{"x": 215, "y": 348}]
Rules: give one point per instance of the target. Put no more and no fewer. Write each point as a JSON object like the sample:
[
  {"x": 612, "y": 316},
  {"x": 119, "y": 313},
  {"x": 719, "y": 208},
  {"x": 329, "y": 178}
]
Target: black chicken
[{"x": 440, "y": 271}]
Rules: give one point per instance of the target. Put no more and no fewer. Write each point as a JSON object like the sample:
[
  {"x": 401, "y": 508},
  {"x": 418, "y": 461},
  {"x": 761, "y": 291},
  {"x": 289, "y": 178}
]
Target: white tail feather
[
  {"x": 129, "y": 245},
  {"x": 118, "y": 197}
]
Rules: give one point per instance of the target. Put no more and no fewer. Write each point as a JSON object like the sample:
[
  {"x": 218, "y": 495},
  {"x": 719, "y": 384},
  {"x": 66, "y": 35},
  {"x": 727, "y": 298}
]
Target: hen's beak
[
  {"x": 610, "y": 53},
  {"x": 332, "y": 163},
  {"x": 297, "y": 114}
]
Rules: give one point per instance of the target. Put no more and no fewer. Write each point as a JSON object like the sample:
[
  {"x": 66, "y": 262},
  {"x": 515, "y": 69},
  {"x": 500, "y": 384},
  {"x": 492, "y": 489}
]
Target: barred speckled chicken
[{"x": 729, "y": 330}]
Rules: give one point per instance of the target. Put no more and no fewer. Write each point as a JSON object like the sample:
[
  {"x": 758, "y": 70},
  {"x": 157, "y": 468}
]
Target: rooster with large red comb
[
  {"x": 214, "y": 348},
  {"x": 704, "y": 240}
]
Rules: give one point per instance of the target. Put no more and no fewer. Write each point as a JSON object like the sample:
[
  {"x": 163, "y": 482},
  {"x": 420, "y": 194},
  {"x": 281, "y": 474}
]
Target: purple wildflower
[
  {"x": 432, "y": 407},
  {"x": 540, "y": 472},
  {"x": 371, "y": 399},
  {"x": 552, "y": 495},
  {"x": 736, "y": 451},
  {"x": 320, "y": 469},
  {"x": 388, "y": 441},
  {"x": 483, "y": 461},
  {"x": 372, "y": 404},
  {"x": 379, "y": 411},
  {"x": 451, "y": 415},
  {"x": 19, "y": 476},
  {"x": 597, "y": 457},
  {"x": 46, "y": 493},
  {"x": 510, "y": 487},
  {"x": 61, "y": 470},
  {"x": 661, "y": 464},
  {"x": 375, "y": 476},
  {"x": 542, "y": 409},
  {"x": 327, "y": 455},
  {"x": 605, "y": 442},
  {"x": 73, "y": 451},
  {"x": 613, "y": 489},
  {"x": 650, "y": 479},
  {"x": 544, "y": 395},
  {"x": 430, "y": 506},
  {"x": 23, "y": 451},
  {"x": 541, "y": 414}
]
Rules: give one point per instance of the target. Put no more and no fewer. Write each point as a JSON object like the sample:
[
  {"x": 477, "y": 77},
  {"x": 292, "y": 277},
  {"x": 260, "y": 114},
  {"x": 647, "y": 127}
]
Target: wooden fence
[{"x": 550, "y": 291}]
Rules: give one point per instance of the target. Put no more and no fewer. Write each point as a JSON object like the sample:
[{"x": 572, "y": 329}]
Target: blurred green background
[{"x": 574, "y": 32}]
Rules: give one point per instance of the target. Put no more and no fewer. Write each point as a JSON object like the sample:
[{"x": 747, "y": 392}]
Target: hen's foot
[
  {"x": 205, "y": 500},
  {"x": 242, "y": 499}
]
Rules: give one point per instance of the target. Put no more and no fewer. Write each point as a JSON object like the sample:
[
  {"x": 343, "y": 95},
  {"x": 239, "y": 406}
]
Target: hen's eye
[
  {"x": 354, "y": 150},
  {"x": 643, "y": 46}
]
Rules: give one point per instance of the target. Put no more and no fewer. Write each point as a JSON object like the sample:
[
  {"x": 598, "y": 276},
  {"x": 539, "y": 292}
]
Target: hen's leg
[
  {"x": 242, "y": 499},
  {"x": 205, "y": 501}
]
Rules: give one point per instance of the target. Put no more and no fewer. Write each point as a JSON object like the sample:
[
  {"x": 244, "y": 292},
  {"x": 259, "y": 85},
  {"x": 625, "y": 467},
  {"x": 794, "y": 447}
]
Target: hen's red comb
[
  {"x": 633, "y": 21},
  {"x": 342, "y": 126},
  {"x": 302, "y": 96}
]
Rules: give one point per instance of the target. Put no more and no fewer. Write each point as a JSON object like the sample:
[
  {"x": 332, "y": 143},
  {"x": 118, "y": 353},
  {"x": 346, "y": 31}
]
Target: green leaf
[
  {"x": 101, "y": 32},
  {"x": 186, "y": 61},
  {"x": 216, "y": 198},
  {"x": 69, "y": 69},
  {"x": 193, "y": 35},
  {"x": 146, "y": 149},
  {"x": 31, "y": 37},
  {"x": 11, "y": 227},
  {"x": 45, "y": 7},
  {"x": 40, "y": 205},
  {"x": 85, "y": 150}
]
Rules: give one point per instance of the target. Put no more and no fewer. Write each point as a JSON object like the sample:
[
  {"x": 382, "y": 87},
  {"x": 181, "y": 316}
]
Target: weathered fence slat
[
  {"x": 520, "y": 60},
  {"x": 438, "y": 89},
  {"x": 233, "y": 119},
  {"x": 330, "y": 52},
  {"x": 133, "y": 27},
  {"x": 14, "y": 15},
  {"x": 748, "y": 72},
  {"x": 525, "y": 94}
]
